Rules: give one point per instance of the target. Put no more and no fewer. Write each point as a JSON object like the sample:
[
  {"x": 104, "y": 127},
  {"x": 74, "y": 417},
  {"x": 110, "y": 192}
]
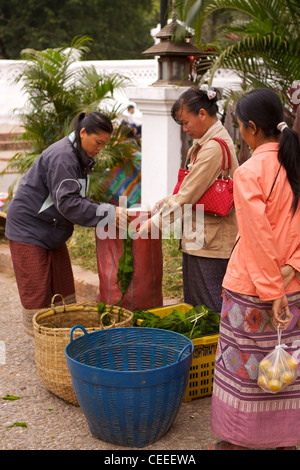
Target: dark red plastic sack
[{"x": 145, "y": 288}]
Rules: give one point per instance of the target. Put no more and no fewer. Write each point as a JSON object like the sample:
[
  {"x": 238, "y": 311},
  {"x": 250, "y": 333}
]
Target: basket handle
[
  {"x": 74, "y": 328},
  {"x": 183, "y": 351},
  {"x": 53, "y": 303},
  {"x": 101, "y": 318}
]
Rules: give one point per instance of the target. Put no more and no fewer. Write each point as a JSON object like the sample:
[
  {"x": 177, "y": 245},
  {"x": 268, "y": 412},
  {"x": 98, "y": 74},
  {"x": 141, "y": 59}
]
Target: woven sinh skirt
[
  {"x": 202, "y": 280},
  {"x": 242, "y": 413},
  {"x": 40, "y": 274}
]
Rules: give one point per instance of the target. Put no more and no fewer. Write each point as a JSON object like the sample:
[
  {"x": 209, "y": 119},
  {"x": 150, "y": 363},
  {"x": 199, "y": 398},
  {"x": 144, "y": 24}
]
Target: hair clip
[
  {"x": 204, "y": 87},
  {"x": 281, "y": 126},
  {"x": 211, "y": 93}
]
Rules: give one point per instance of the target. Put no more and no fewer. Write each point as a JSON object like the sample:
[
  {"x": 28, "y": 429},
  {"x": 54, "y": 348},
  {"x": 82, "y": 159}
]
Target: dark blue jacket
[{"x": 52, "y": 198}]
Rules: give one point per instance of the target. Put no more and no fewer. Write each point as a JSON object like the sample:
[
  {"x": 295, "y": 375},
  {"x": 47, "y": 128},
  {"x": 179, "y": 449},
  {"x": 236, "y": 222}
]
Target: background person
[
  {"x": 129, "y": 121},
  {"x": 51, "y": 198},
  {"x": 203, "y": 268},
  {"x": 262, "y": 284}
]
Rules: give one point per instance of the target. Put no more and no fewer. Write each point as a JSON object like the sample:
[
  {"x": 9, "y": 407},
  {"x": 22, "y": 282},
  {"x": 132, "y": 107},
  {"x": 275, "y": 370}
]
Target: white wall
[
  {"x": 161, "y": 143},
  {"x": 11, "y": 95},
  {"x": 139, "y": 72}
]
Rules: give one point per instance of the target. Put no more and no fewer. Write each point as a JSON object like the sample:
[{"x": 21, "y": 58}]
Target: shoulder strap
[
  {"x": 266, "y": 201},
  {"x": 224, "y": 145},
  {"x": 274, "y": 182},
  {"x": 192, "y": 151}
]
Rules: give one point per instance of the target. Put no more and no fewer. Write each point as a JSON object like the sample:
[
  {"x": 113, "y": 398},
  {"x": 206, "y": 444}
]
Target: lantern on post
[{"x": 174, "y": 58}]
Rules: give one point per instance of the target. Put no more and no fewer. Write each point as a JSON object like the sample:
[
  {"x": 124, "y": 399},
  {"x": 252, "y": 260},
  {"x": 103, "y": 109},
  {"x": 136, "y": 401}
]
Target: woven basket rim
[{"x": 78, "y": 307}]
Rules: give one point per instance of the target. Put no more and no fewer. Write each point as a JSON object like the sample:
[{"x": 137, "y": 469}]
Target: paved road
[{"x": 53, "y": 424}]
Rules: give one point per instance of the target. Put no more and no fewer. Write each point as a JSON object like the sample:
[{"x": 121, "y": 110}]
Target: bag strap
[
  {"x": 266, "y": 201},
  {"x": 224, "y": 147},
  {"x": 274, "y": 182},
  {"x": 224, "y": 144}
]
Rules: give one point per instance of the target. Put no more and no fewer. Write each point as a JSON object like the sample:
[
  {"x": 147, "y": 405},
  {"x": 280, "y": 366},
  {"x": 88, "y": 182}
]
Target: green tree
[
  {"x": 262, "y": 45},
  {"x": 57, "y": 91},
  {"x": 120, "y": 29},
  {"x": 205, "y": 27}
]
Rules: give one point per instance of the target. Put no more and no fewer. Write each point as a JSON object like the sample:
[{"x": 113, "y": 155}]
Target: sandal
[{"x": 226, "y": 446}]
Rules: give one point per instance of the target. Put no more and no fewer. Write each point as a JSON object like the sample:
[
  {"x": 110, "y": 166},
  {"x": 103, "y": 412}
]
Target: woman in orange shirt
[{"x": 261, "y": 284}]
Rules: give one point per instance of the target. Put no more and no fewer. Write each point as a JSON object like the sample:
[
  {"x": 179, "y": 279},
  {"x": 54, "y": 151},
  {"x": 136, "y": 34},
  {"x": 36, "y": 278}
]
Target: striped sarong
[
  {"x": 202, "y": 280},
  {"x": 242, "y": 413},
  {"x": 40, "y": 274}
]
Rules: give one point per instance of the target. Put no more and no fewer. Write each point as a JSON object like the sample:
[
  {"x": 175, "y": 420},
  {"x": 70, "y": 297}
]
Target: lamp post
[
  {"x": 174, "y": 63},
  {"x": 163, "y": 12},
  {"x": 161, "y": 136}
]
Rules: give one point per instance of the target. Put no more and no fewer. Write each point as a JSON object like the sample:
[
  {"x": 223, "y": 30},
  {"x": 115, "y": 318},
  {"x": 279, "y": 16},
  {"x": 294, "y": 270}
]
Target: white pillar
[
  {"x": 12, "y": 97},
  {"x": 161, "y": 142}
]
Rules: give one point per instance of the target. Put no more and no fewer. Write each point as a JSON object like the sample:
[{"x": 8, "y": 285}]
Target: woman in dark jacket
[{"x": 49, "y": 201}]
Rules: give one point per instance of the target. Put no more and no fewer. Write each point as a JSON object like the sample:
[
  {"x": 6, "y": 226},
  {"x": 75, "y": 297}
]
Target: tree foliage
[
  {"x": 120, "y": 29},
  {"x": 58, "y": 89},
  {"x": 262, "y": 45}
]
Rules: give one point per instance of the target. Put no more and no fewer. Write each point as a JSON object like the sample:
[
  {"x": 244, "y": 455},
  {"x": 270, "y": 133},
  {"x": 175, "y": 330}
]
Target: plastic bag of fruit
[{"x": 277, "y": 370}]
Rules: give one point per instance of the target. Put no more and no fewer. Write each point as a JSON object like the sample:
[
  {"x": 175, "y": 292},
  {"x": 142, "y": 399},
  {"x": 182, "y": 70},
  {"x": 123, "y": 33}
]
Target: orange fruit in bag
[
  {"x": 287, "y": 377},
  {"x": 292, "y": 363},
  {"x": 276, "y": 376},
  {"x": 274, "y": 372},
  {"x": 263, "y": 382},
  {"x": 264, "y": 365},
  {"x": 274, "y": 385}
]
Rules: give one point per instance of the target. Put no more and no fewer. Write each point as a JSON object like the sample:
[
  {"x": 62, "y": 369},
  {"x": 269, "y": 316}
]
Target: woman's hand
[
  {"x": 287, "y": 273},
  {"x": 145, "y": 228},
  {"x": 281, "y": 313},
  {"x": 157, "y": 206},
  {"x": 122, "y": 217}
]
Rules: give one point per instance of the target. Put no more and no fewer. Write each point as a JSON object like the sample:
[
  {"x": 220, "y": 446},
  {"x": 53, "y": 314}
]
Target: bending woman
[
  {"x": 262, "y": 284},
  {"x": 51, "y": 198},
  {"x": 204, "y": 262}
]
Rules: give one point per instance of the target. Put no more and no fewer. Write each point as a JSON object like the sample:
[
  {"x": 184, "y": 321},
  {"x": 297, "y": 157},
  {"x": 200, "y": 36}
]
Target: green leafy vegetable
[
  {"x": 198, "y": 321},
  {"x": 125, "y": 268},
  {"x": 103, "y": 309},
  {"x": 11, "y": 397},
  {"x": 17, "y": 423}
]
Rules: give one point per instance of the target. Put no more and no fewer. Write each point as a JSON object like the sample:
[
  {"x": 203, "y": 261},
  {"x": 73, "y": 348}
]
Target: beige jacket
[{"x": 202, "y": 235}]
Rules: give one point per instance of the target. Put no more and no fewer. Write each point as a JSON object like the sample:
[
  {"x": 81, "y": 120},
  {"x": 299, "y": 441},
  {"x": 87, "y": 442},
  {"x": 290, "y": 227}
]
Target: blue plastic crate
[{"x": 129, "y": 382}]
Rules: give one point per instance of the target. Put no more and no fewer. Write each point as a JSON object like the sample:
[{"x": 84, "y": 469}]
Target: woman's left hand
[
  {"x": 281, "y": 313},
  {"x": 122, "y": 217},
  {"x": 287, "y": 274},
  {"x": 157, "y": 206},
  {"x": 145, "y": 228}
]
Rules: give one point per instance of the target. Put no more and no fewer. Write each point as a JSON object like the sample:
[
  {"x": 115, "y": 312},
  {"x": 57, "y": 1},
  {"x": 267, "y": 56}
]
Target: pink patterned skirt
[{"x": 242, "y": 413}]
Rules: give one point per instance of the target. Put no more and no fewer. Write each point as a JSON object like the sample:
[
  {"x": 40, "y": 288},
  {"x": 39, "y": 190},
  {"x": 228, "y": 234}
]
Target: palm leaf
[
  {"x": 58, "y": 90},
  {"x": 251, "y": 58},
  {"x": 262, "y": 45}
]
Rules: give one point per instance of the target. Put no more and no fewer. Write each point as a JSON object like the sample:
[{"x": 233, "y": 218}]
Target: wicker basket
[{"x": 52, "y": 327}]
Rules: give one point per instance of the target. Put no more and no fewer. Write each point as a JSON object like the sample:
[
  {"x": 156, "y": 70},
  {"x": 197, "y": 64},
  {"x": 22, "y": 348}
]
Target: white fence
[
  {"x": 12, "y": 97},
  {"x": 141, "y": 73}
]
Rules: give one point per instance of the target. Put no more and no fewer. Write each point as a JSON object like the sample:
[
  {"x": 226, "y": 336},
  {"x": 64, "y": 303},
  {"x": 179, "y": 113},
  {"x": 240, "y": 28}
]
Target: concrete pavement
[{"x": 50, "y": 423}]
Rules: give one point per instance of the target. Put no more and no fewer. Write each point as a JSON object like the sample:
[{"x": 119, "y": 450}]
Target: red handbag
[{"x": 218, "y": 199}]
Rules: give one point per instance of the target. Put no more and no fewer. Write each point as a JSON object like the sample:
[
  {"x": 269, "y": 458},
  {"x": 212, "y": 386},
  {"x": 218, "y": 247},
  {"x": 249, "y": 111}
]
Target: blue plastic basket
[{"x": 129, "y": 382}]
